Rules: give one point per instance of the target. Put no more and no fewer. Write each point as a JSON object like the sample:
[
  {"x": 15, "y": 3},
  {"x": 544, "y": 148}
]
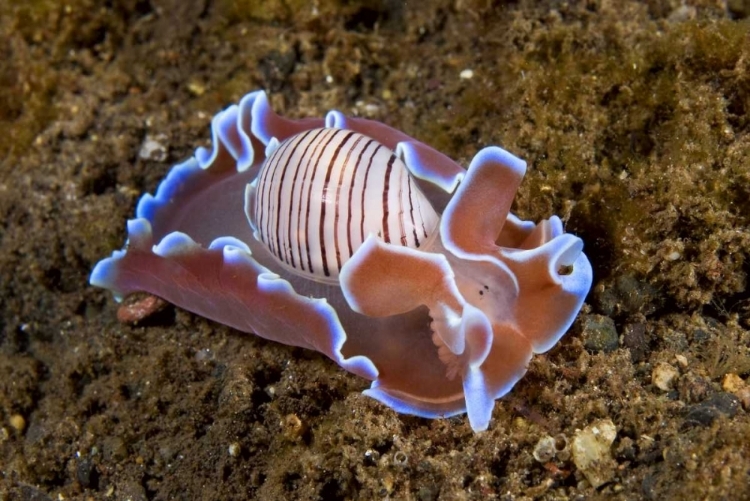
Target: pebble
[
  {"x": 625, "y": 295},
  {"x": 153, "y": 148},
  {"x": 682, "y": 361},
  {"x": 599, "y": 334},
  {"x": 138, "y": 307},
  {"x": 292, "y": 427},
  {"x": 635, "y": 339},
  {"x": 234, "y": 449},
  {"x": 466, "y": 74},
  {"x": 18, "y": 422},
  {"x": 545, "y": 449},
  {"x": 706, "y": 412},
  {"x": 693, "y": 388},
  {"x": 732, "y": 383},
  {"x": 664, "y": 376},
  {"x": 591, "y": 452}
]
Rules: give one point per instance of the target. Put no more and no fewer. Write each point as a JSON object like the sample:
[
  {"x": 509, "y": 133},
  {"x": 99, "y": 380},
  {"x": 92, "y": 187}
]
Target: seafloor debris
[{"x": 591, "y": 451}]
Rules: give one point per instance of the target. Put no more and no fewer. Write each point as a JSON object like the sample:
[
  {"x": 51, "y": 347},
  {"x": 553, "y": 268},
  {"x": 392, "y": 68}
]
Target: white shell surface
[{"x": 321, "y": 193}]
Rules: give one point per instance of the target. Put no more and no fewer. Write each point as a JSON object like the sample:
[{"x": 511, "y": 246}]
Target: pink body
[{"x": 441, "y": 329}]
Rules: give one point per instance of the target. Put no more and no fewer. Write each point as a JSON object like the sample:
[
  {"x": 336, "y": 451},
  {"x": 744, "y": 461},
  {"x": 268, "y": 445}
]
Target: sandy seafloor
[{"x": 634, "y": 120}]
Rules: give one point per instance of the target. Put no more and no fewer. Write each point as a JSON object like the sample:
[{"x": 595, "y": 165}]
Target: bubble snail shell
[{"x": 346, "y": 236}]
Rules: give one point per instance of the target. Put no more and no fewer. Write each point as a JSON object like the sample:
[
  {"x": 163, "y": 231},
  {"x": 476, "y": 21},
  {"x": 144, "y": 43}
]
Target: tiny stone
[
  {"x": 545, "y": 449},
  {"x": 520, "y": 423},
  {"x": 599, "y": 334},
  {"x": 635, "y": 339},
  {"x": 234, "y": 449},
  {"x": 196, "y": 88},
  {"x": 153, "y": 148},
  {"x": 672, "y": 256},
  {"x": 682, "y": 361},
  {"x": 732, "y": 383},
  {"x": 693, "y": 388},
  {"x": 591, "y": 451},
  {"x": 664, "y": 375},
  {"x": 466, "y": 75},
  {"x": 371, "y": 457},
  {"x": 625, "y": 294},
  {"x": 706, "y": 412},
  {"x": 138, "y": 307},
  {"x": 18, "y": 422},
  {"x": 293, "y": 427}
]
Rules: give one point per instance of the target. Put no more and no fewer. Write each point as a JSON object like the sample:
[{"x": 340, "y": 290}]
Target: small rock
[
  {"x": 635, "y": 339},
  {"x": 138, "y": 307},
  {"x": 706, "y": 412},
  {"x": 664, "y": 376},
  {"x": 693, "y": 388},
  {"x": 732, "y": 383},
  {"x": 625, "y": 295},
  {"x": 18, "y": 422},
  {"x": 599, "y": 334},
  {"x": 153, "y": 148},
  {"x": 545, "y": 449},
  {"x": 591, "y": 451},
  {"x": 682, "y": 361},
  {"x": 293, "y": 428},
  {"x": 467, "y": 74},
  {"x": 234, "y": 449}
]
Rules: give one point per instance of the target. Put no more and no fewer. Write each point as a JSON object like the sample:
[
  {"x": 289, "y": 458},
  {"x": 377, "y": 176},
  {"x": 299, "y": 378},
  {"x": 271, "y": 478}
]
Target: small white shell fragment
[
  {"x": 591, "y": 451},
  {"x": 664, "y": 375},
  {"x": 545, "y": 449},
  {"x": 466, "y": 74},
  {"x": 682, "y": 360},
  {"x": 234, "y": 449},
  {"x": 672, "y": 256},
  {"x": 153, "y": 149},
  {"x": 17, "y": 422}
]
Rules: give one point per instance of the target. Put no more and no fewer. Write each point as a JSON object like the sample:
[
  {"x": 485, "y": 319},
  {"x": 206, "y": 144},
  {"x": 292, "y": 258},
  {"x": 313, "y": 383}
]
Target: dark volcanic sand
[{"x": 634, "y": 120}]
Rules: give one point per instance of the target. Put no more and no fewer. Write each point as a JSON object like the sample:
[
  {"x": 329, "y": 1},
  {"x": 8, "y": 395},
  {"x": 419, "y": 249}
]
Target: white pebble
[
  {"x": 664, "y": 375},
  {"x": 153, "y": 149},
  {"x": 591, "y": 452}
]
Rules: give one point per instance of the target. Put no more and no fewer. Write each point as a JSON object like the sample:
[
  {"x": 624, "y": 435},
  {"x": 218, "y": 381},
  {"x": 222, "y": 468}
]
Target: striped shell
[{"x": 320, "y": 194}]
